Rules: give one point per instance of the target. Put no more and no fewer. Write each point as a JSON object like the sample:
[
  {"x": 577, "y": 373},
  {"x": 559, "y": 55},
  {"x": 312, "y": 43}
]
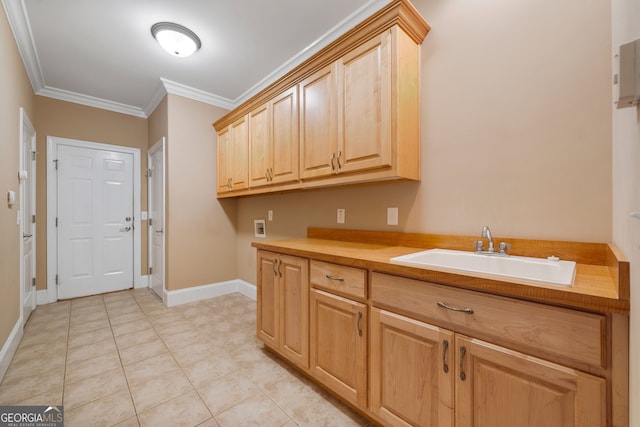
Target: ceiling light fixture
[{"x": 176, "y": 39}]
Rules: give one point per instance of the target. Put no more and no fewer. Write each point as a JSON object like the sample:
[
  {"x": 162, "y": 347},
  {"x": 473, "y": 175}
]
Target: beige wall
[
  {"x": 626, "y": 189},
  {"x": 158, "y": 123},
  {"x": 515, "y": 132},
  {"x": 75, "y": 121},
  {"x": 200, "y": 230},
  {"x": 16, "y": 92}
]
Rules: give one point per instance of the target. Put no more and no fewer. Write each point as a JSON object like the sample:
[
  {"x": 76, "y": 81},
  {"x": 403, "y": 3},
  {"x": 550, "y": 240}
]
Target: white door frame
[
  {"x": 26, "y": 122},
  {"x": 158, "y": 146},
  {"x": 52, "y": 208}
]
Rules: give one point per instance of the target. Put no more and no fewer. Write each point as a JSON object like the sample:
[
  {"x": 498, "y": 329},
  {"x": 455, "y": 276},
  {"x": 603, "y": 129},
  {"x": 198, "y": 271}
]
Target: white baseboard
[
  {"x": 9, "y": 348},
  {"x": 197, "y": 293},
  {"x": 42, "y": 297},
  {"x": 142, "y": 283}
]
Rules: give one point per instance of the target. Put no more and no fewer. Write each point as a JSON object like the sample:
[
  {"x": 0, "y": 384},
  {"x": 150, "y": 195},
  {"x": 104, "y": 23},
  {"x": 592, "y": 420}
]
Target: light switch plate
[
  {"x": 341, "y": 215},
  {"x": 392, "y": 216}
]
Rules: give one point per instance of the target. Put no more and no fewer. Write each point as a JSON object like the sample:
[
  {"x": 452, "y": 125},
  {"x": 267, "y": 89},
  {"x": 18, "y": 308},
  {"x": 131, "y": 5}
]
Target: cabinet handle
[
  {"x": 275, "y": 272},
  {"x": 339, "y": 155},
  {"x": 445, "y": 347},
  {"x": 448, "y": 307},
  {"x": 333, "y": 156},
  {"x": 359, "y": 323},
  {"x": 463, "y": 351},
  {"x": 330, "y": 277},
  {"x": 280, "y": 268}
]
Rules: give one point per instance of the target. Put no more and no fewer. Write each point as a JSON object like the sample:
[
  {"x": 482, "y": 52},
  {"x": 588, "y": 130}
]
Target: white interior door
[
  {"x": 28, "y": 214},
  {"x": 94, "y": 221},
  {"x": 156, "y": 217}
]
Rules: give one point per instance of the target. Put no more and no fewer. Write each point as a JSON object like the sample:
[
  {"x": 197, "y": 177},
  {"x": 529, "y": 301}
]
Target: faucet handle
[
  {"x": 504, "y": 248},
  {"x": 479, "y": 245}
]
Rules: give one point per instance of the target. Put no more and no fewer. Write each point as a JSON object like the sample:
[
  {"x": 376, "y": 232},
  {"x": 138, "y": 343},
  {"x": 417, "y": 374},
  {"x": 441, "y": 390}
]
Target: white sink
[{"x": 547, "y": 271}]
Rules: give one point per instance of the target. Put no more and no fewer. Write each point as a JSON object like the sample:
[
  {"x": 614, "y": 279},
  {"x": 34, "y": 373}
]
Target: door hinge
[
  {"x": 33, "y": 281},
  {"x": 150, "y": 222},
  {"x": 56, "y": 221},
  {"x": 55, "y": 164},
  {"x": 33, "y": 155},
  {"x": 149, "y": 173},
  {"x": 33, "y": 219},
  {"x": 150, "y": 270},
  {"x": 56, "y": 279}
]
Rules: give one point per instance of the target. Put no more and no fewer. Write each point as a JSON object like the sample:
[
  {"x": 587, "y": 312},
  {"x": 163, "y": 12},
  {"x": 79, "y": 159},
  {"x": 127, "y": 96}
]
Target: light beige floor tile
[
  {"x": 93, "y": 388},
  {"x": 158, "y": 389},
  {"x": 40, "y": 350},
  {"x": 183, "y": 411},
  {"x": 131, "y": 422},
  {"x": 206, "y": 371},
  {"x": 191, "y": 353},
  {"x": 148, "y": 368},
  {"x": 78, "y": 328},
  {"x": 211, "y": 422},
  {"x": 135, "y": 338},
  {"x": 331, "y": 413},
  {"x": 34, "y": 367},
  {"x": 90, "y": 337},
  {"x": 142, "y": 351},
  {"x": 18, "y": 389},
  {"x": 91, "y": 316},
  {"x": 92, "y": 367},
  {"x": 107, "y": 411},
  {"x": 226, "y": 392},
  {"x": 133, "y": 316},
  {"x": 294, "y": 395},
  {"x": 50, "y": 398},
  {"x": 128, "y": 328},
  {"x": 89, "y": 351},
  {"x": 256, "y": 411}
]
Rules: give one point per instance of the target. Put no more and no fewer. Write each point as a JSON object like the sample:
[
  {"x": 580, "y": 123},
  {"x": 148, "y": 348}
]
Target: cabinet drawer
[
  {"x": 339, "y": 278},
  {"x": 563, "y": 332}
]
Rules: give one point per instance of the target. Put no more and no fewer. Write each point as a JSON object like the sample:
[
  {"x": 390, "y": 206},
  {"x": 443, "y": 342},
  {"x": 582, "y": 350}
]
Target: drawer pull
[
  {"x": 275, "y": 272},
  {"x": 463, "y": 351},
  {"x": 448, "y": 307},
  {"x": 280, "y": 268},
  {"x": 330, "y": 277},
  {"x": 445, "y": 347},
  {"x": 359, "y": 323}
]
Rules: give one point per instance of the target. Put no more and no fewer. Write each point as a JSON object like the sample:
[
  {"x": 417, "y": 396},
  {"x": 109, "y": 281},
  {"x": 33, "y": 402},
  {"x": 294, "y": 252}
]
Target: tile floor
[{"x": 125, "y": 359}]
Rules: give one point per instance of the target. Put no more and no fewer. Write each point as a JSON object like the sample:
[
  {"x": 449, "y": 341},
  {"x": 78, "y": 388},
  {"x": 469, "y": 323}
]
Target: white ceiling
[{"x": 101, "y": 52}]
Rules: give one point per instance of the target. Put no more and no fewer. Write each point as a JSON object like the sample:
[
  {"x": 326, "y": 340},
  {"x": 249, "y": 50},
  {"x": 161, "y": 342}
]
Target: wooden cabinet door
[
  {"x": 259, "y": 146},
  {"x": 319, "y": 123},
  {"x": 503, "y": 388},
  {"x": 338, "y": 337},
  {"x": 412, "y": 371},
  {"x": 222, "y": 161},
  {"x": 364, "y": 89},
  {"x": 268, "y": 301},
  {"x": 294, "y": 309},
  {"x": 238, "y": 168},
  {"x": 284, "y": 137}
]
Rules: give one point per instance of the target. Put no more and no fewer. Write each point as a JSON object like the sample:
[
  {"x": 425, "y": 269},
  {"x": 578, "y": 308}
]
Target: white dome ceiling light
[{"x": 176, "y": 39}]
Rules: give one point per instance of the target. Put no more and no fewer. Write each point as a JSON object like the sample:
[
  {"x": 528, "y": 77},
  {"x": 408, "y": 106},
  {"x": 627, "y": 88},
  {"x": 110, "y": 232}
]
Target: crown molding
[
  {"x": 17, "y": 17},
  {"x": 175, "y": 88},
  {"x": 91, "y": 101}
]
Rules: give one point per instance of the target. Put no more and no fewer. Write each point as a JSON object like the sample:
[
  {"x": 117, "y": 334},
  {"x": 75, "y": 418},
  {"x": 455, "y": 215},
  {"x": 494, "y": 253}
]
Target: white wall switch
[
  {"x": 144, "y": 215},
  {"x": 270, "y": 215},
  {"x": 392, "y": 216},
  {"x": 341, "y": 214}
]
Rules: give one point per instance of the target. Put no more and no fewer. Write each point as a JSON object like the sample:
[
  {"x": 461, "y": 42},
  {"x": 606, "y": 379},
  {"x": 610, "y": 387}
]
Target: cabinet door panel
[
  {"x": 259, "y": 146},
  {"x": 338, "y": 345},
  {"x": 239, "y": 167},
  {"x": 318, "y": 123},
  {"x": 498, "y": 387},
  {"x": 268, "y": 301},
  {"x": 365, "y": 106},
  {"x": 223, "y": 160},
  {"x": 412, "y": 368},
  {"x": 294, "y": 311},
  {"x": 285, "y": 140}
]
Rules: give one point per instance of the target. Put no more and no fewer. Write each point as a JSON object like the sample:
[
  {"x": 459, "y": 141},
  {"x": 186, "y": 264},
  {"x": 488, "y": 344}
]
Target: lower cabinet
[
  {"x": 420, "y": 373},
  {"x": 283, "y": 305},
  {"x": 338, "y": 341}
]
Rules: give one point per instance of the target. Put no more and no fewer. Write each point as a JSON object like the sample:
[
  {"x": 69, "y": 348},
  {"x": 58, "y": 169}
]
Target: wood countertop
[{"x": 601, "y": 282}]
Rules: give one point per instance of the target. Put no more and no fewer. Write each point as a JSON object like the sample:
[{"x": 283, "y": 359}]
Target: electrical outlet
[
  {"x": 341, "y": 215},
  {"x": 392, "y": 216},
  {"x": 270, "y": 215}
]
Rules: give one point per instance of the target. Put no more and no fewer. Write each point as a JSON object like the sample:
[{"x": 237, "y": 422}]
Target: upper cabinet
[
  {"x": 349, "y": 114},
  {"x": 232, "y": 151}
]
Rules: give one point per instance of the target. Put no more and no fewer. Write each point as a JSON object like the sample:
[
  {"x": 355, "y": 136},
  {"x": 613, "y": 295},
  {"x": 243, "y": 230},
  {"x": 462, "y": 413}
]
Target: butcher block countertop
[{"x": 601, "y": 282}]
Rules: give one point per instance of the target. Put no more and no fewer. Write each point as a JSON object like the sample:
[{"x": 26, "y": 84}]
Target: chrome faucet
[
  {"x": 486, "y": 233},
  {"x": 479, "y": 244}
]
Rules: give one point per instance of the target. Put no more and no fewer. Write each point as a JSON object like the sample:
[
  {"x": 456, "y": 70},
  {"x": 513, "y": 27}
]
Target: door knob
[
  {"x": 128, "y": 218},
  {"x": 124, "y": 230},
  {"x": 26, "y": 236}
]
